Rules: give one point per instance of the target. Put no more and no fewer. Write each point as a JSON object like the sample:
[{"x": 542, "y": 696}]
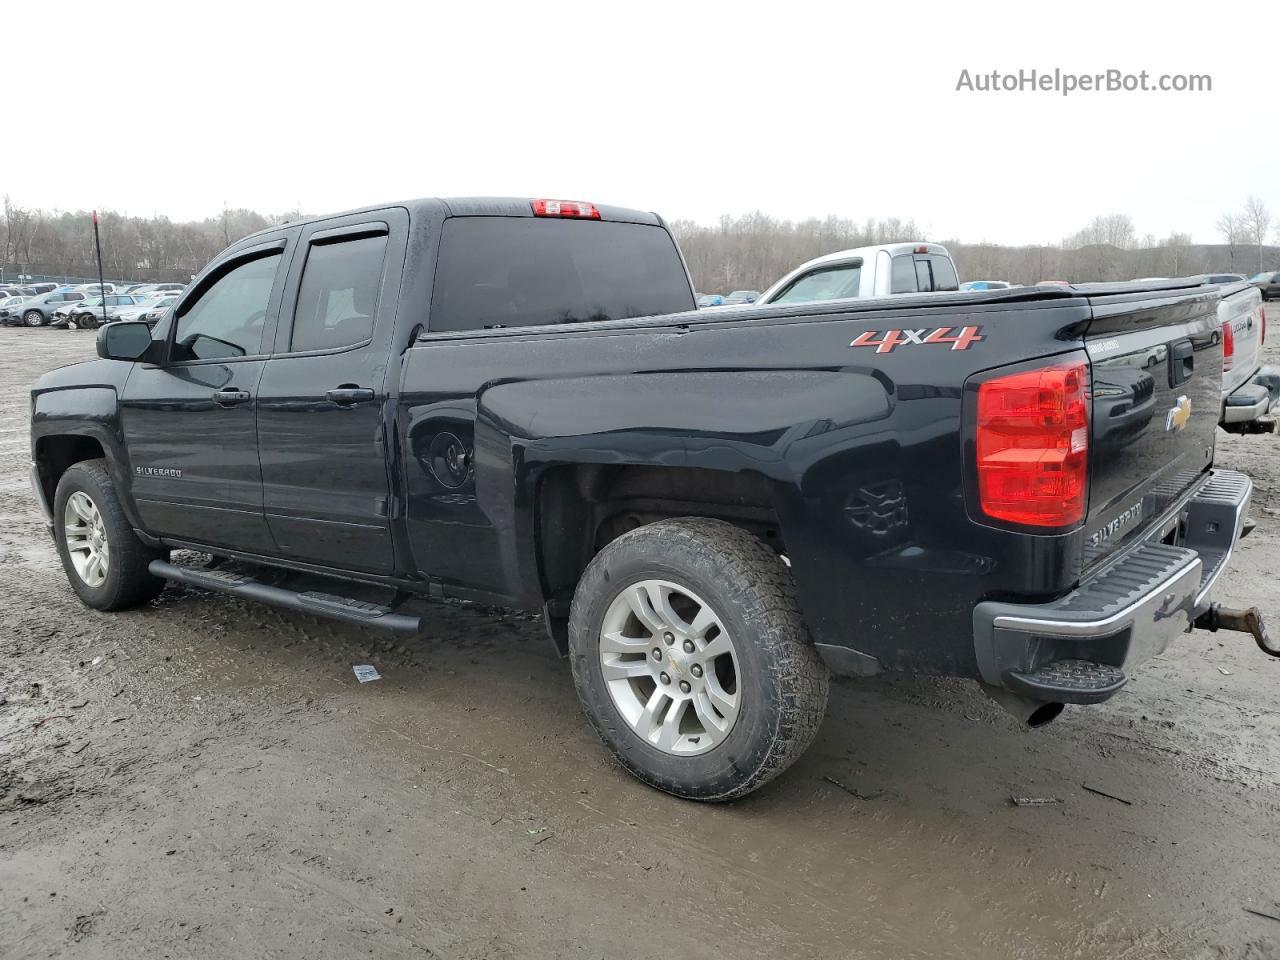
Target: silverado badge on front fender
[
  {"x": 962, "y": 340},
  {"x": 1178, "y": 415}
]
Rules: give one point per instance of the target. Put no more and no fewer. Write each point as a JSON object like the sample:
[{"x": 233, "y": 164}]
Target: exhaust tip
[
  {"x": 1045, "y": 713},
  {"x": 1034, "y": 713}
]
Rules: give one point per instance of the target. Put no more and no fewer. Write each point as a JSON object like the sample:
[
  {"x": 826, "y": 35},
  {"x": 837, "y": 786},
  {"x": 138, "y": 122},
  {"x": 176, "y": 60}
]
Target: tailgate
[
  {"x": 1156, "y": 365},
  {"x": 1241, "y": 308}
]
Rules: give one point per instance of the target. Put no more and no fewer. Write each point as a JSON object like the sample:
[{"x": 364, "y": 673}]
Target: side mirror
[{"x": 125, "y": 340}]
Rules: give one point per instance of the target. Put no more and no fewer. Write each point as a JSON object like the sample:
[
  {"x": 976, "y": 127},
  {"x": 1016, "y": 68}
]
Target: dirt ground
[{"x": 206, "y": 778}]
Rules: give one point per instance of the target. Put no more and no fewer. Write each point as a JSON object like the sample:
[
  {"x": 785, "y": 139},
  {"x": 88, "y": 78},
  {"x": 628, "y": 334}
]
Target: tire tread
[{"x": 799, "y": 674}]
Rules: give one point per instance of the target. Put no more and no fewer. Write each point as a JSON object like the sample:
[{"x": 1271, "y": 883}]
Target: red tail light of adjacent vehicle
[
  {"x": 1228, "y": 346},
  {"x": 1033, "y": 446},
  {"x": 565, "y": 208}
]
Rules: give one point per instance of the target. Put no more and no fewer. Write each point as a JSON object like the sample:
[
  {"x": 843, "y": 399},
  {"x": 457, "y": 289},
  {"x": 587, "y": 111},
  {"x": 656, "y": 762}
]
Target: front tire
[
  {"x": 692, "y": 659},
  {"x": 104, "y": 560},
  {"x": 33, "y": 318}
]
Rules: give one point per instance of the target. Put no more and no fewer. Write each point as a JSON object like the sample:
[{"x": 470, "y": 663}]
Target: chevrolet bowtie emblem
[{"x": 1178, "y": 415}]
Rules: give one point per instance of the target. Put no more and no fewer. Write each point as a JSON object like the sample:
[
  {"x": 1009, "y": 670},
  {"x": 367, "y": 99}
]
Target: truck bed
[{"x": 857, "y": 461}]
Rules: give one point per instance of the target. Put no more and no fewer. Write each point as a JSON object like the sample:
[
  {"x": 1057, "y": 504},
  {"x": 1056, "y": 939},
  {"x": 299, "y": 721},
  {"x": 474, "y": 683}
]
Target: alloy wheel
[
  {"x": 671, "y": 667},
  {"x": 86, "y": 537}
]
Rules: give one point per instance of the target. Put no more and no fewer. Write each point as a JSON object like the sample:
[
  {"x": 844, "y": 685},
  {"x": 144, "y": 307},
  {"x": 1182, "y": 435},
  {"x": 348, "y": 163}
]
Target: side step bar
[{"x": 317, "y": 604}]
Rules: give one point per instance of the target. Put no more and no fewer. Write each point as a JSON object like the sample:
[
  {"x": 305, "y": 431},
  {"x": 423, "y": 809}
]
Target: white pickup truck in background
[
  {"x": 879, "y": 271},
  {"x": 1250, "y": 391}
]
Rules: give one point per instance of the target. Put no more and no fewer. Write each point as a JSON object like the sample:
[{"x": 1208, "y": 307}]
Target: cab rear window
[
  {"x": 922, "y": 273},
  {"x": 520, "y": 271}
]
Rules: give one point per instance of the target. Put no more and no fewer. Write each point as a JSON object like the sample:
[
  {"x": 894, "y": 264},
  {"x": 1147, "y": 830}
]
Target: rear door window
[
  {"x": 518, "y": 271},
  {"x": 339, "y": 293}
]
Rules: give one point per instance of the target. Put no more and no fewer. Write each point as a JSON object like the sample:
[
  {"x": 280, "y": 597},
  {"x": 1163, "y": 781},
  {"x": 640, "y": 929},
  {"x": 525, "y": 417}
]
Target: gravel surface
[{"x": 206, "y": 778}]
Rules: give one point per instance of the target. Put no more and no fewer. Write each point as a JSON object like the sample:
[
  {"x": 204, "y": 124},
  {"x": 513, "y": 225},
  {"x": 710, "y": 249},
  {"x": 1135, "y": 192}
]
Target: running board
[{"x": 317, "y": 604}]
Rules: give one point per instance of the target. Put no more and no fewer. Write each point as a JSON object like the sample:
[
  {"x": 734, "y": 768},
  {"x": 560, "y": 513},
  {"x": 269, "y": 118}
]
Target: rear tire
[
  {"x": 766, "y": 683},
  {"x": 104, "y": 560}
]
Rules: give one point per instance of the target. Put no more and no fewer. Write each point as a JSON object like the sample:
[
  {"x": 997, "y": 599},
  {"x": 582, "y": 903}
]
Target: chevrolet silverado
[{"x": 515, "y": 402}]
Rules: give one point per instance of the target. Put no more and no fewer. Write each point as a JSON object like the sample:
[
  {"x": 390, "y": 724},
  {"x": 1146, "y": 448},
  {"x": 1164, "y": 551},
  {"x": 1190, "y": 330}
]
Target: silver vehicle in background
[
  {"x": 1250, "y": 391},
  {"x": 878, "y": 271}
]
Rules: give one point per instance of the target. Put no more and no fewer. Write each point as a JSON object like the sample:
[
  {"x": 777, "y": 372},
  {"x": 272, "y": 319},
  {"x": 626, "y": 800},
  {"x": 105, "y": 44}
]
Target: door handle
[
  {"x": 230, "y": 398},
  {"x": 347, "y": 395}
]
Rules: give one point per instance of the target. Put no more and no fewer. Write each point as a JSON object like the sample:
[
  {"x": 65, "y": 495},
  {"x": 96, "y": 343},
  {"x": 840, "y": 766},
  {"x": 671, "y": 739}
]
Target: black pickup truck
[{"x": 514, "y": 402}]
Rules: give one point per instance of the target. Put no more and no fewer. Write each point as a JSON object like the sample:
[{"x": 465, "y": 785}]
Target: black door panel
[
  {"x": 195, "y": 460},
  {"x": 321, "y": 403},
  {"x": 190, "y": 423}
]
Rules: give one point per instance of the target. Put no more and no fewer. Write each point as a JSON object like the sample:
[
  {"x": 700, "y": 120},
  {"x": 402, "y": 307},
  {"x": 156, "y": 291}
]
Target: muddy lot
[{"x": 205, "y": 778}]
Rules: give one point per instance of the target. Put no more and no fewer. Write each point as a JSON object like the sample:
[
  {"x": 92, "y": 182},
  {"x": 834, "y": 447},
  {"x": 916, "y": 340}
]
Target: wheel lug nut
[
  {"x": 696, "y": 670},
  {"x": 684, "y": 686},
  {"x": 669, "y": 638},
  {"x": 664, "y": 678},
  {"x": 657, "y": 653},
  {"x": 688, "y": 646}
]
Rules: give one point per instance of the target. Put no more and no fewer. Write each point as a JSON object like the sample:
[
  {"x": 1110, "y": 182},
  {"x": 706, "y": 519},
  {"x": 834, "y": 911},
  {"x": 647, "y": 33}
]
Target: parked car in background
[
  {"x": 62, "y": 313},
  {"x": 1053, "y": 283},
  {"x": 986, "y": 285},
  {"x": 710, "y": 300},
  {"x": 97, "y": 289},
  {"x": 141, "y": 305},
  {"x": 878, "y": 271},
  {"x": 10, "y": 302},
  {"x": 1268, "y": 283},
  {"x": 169, "y": 287},
  {"x": 40, "y": 288},
  {"x": 159, "y": 310},
  {"x": 88, "y": 315},
  {"x": 38, "y": 311},
  {"x": 739, "y": 297}
]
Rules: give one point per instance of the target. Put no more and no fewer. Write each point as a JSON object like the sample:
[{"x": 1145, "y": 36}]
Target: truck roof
[
  {"x": 469, "y": 207},
  {"x": 866, "y": 253}
]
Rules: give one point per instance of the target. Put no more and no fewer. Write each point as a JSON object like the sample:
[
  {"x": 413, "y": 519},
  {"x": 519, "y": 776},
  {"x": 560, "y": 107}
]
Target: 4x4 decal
[{"x": 966, "y": 337}]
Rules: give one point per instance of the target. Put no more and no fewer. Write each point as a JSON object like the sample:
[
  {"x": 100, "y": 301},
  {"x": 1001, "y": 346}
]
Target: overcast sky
[{"x": 690, "y": 109}]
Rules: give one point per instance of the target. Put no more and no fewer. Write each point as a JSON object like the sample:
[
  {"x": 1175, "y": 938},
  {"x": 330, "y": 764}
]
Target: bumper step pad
[{"x": 1069, "y": 681}]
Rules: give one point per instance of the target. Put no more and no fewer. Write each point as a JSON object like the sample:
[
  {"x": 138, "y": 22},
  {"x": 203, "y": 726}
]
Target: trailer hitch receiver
[{"x": 1249, "y": 621}]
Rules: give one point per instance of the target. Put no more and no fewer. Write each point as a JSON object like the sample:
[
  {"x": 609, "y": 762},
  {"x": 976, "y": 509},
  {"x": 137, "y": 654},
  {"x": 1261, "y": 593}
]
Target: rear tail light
[
  {"x": 565, "y": 208},
  {"x": 1033, "y": 446},
  {"x": 1228, "y": 346}
]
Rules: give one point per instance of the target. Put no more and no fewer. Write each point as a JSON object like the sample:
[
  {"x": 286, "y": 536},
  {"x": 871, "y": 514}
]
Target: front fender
[{"x": 81, "y": 401}]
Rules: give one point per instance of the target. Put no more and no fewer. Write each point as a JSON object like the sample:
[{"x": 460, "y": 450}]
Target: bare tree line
[
  {"x": 60, "y": 243},
  {"x": 752, "y": 251},
  {"x": 744, "y": 252}
]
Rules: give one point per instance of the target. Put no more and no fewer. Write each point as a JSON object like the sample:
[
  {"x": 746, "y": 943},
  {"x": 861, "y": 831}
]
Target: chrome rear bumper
[{"x": 1126, "y": 613}]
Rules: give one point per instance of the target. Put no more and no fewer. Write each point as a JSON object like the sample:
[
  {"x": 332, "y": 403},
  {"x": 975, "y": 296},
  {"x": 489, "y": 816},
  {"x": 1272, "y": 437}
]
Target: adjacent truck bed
[
  {"x": 1249, "y": 390},
  {"x": 514, "y": 402}
]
